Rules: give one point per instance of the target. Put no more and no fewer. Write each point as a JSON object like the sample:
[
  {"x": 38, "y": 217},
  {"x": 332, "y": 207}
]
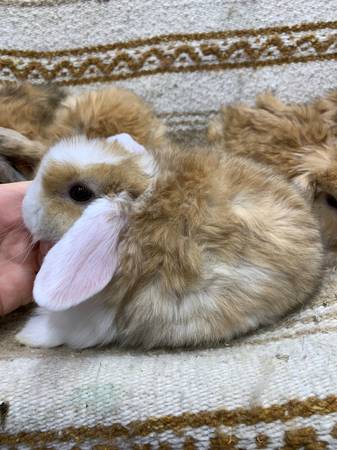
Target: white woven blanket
[{"x": 275, "y": 389}]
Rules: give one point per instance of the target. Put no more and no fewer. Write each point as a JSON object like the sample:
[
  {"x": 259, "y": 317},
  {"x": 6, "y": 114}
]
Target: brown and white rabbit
[
  {"x": 32, "y": 118},
  {"x": 298, "y": 140},
  {"x": 193, "y": 249}
]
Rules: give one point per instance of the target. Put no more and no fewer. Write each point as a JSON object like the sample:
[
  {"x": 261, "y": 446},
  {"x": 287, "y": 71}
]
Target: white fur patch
[
  {"x": 145, "y": 159},
  {"x": 32, "y": 207},
  {"x": 38, "y": 333},
  {"x": 81, "y": 152},
  {"x": 127, "y": 142},
  {"x": 148, "y": 164},
  {"x": 86, "y": 325}
]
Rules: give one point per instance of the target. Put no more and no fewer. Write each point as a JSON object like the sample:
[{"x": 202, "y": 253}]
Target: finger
[
  {"x": 7, "y": 307},
  {"x": 19, "y": 187},
  {"x": 17, "y": 292},
  {"x": 11, "y": 198}
]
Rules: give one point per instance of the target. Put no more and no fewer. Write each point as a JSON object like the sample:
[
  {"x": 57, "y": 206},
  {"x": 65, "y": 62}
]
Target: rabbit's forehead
[{"x": 82, "y": 152}]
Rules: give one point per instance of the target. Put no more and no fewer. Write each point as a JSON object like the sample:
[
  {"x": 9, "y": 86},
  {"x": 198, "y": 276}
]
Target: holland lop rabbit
[
  {"x": 33, "y": 117},
  {"x": 298, "y": 140},
  {"x": 194, "y": 248}
]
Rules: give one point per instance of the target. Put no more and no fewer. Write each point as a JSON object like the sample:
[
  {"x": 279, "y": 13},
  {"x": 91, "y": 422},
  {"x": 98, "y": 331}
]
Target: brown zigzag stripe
[
  {"x": 174, "y": 54},
  {"x": 176, "y": 424}
]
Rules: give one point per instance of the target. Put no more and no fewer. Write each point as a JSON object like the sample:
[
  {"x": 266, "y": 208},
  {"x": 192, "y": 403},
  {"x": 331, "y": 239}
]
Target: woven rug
[
  {"x": 184, "y": 57},
  {"x": 274, "y": 389}
]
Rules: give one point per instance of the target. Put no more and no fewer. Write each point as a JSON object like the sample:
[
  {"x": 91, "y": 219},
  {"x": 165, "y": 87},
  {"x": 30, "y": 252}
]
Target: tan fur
[
  {"x": 29, "y": 109},
  {"x": 215, "y": 246},
  {"x": 113, "y": 180},
  {"x": 59, "y": 178},
  {"x": 25, "y": 111},
  {"x": 43, "y": 115},
  {"x": 111, "y": 111},
  {"x": 204, "y": 212},
  {"x": 298, "y": 140}
]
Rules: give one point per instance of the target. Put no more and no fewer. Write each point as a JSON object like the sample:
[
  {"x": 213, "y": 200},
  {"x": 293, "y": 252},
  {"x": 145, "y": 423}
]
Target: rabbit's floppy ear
[
  {"x": 128, "y": 142},
  {"x": 85, "y": 259}
]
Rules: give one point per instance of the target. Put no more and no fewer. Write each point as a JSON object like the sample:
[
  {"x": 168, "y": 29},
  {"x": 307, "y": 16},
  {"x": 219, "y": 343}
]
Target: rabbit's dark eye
[
  {"x": 331, "y": 201},
  {"x": 80, "y": 193}
]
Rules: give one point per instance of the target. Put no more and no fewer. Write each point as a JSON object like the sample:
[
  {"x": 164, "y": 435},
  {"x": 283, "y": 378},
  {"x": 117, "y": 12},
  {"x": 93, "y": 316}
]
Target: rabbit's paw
[{"x": 38, "y": 332}]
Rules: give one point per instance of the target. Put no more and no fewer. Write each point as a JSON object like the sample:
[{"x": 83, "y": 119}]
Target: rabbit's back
[{"x": 220, "y": 248}]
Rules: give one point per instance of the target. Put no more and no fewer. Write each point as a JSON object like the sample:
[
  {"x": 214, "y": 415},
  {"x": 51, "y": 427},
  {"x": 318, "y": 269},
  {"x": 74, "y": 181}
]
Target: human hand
[{"x": 19, "y": 258}]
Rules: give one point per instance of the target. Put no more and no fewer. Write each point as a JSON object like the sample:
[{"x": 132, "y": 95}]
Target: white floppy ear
[
  {"x": 128, "y": 142},
  {"x": 85, "y": 259}
]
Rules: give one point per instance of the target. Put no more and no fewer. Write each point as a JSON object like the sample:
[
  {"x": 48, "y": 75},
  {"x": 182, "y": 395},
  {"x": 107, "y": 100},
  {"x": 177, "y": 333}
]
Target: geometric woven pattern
[
  {"x": 274, "y": 389},
  {"x": 179, "y": 53}
]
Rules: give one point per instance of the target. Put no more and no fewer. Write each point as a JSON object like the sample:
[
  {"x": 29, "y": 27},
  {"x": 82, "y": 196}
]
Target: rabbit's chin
[{"x": 83, "y": 326}]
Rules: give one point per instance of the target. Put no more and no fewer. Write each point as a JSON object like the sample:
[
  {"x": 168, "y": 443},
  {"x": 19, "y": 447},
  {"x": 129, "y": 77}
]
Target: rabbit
[
  {"x": 25, "y": 111},
  {"x": 32, "y": 118},
  {"x": 297, "y": 140},
  {"x": 194, "y": 248}
]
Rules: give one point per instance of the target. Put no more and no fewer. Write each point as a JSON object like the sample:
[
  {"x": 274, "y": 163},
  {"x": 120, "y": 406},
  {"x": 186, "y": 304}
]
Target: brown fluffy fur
[
  {"x": 29, "y": 109},
  {"x": 214, "y": 247},
  {"x": 299, "y": 140},
  {"x": 42, "y": 115},
  {"x": 203, "y": 211}
]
